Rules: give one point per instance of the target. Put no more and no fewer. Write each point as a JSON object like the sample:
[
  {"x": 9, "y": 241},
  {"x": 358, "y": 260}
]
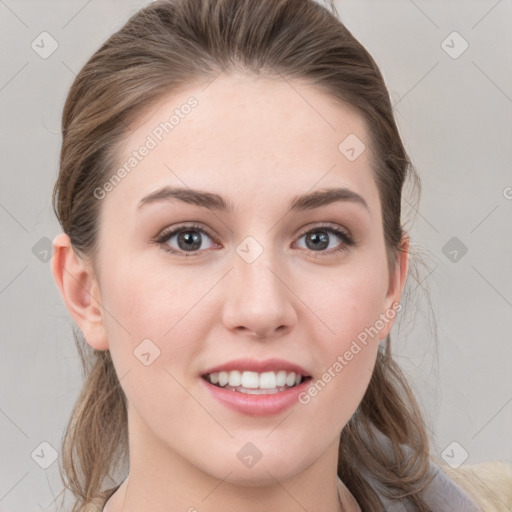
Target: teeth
[
  {"x": 223, "y": 378},
  {"x": 235, "y": 378},
  {"x": 290, "y": 379},
  {"x": 255, "y": 380},
  {"x": 250, "y": 380},
  {"x": 281, "y": 378},
  {"x": 268, "y": 380}
]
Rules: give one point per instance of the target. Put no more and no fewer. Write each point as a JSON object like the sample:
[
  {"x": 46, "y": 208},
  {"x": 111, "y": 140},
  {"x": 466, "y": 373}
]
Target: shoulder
[{"x": 488, "y": 483}]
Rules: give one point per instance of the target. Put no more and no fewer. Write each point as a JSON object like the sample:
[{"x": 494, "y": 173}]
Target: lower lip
[{"x": 257, "y": 405}]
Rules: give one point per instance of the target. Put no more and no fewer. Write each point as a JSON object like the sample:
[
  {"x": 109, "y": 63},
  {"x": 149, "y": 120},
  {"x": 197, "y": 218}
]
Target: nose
[{"x": 260, "y": 299}]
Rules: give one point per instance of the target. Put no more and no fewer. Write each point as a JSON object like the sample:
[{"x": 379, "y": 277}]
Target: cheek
[
  {"x": 153, "y": 300},
  {"x": 348, "y": 303},
  {"x": 154, "y": 330},
  {"x": 156, "y": 311},
  {"x": 346, "y": 352},
  {"x": 348, "y": 333}
]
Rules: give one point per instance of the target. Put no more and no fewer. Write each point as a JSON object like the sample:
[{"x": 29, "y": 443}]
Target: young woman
[{"x": 232, "y": 253}]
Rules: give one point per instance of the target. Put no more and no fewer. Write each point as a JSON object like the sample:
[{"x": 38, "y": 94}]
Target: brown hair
[{"x": 164, "y": 47}]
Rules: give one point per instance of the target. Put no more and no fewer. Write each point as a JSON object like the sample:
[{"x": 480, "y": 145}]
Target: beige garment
[{"x": 488, "y": 483}]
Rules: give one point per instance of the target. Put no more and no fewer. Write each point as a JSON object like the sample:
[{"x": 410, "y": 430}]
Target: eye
[
  {"x": 188, "y": 239},
  {"x": 320, "y": 237}
]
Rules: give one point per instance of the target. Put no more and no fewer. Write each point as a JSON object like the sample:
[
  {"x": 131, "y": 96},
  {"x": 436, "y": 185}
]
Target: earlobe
[
  {"x": 79, "y": 289},
  {"x": 396, "y": 284}
]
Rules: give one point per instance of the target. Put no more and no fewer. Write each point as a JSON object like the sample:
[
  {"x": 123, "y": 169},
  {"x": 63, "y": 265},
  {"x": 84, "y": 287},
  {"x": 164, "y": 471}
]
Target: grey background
[{"x": 455, "y": 118}]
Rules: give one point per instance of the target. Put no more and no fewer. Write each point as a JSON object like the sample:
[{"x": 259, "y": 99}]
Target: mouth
[
  {"x": 254, "y": 387},
  {"x": 256, "y": 383}
]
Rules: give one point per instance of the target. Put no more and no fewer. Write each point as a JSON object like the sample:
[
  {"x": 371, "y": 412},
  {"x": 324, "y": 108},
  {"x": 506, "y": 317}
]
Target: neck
[{"x": 160, "y": 479}]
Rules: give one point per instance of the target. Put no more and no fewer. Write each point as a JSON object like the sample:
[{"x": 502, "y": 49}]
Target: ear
[
  {"x": 397, "y": 279},
  {"x": 79, "y": 289}
]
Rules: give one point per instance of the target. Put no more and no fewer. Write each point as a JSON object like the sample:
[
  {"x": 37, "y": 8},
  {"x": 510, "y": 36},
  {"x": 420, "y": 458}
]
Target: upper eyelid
[
  {"x": 326, "y": 225},
  {"x": 169, "y": 232}
]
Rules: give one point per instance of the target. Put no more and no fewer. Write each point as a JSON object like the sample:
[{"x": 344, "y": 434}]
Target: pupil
[
  {"x": 191, "y": 240},
  {"x": 321, "y": 238}
]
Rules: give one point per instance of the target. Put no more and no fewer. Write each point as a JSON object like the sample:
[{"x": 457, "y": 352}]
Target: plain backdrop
[{"x": 448, "y": 68}]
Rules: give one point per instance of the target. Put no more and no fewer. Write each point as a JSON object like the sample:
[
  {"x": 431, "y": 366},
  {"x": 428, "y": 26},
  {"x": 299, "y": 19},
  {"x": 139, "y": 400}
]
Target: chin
[{"x": 264, "y": 472}]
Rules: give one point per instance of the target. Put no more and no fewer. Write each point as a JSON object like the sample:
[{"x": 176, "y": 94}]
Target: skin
[{"x": 257, "y": 142}]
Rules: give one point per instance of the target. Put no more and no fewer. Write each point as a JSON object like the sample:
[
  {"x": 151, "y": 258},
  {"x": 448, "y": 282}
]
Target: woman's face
[{"x": 248, "y": 293}]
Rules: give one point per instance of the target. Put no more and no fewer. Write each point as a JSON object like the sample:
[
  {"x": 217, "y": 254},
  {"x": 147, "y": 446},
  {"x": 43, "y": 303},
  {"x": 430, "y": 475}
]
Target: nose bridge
[
  {"x": 258, "y": 300},
  {"x": 254, "y": 264}
]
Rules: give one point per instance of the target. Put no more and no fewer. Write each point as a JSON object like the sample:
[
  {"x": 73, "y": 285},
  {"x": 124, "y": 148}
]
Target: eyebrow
[{"x": 212, "y": 201}]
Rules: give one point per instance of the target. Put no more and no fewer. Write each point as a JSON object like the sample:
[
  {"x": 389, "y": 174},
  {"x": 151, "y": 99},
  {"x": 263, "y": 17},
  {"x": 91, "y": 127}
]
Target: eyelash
[{"x": 166, "y": 235}]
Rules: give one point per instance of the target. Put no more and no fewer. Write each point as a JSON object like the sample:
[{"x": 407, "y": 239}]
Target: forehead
[{"x": 239, "y": 133}]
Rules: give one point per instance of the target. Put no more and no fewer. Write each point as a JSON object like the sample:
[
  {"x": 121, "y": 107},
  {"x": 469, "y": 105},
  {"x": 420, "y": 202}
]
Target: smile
[
  {"x": 254, "y": 383},
  {"x": 256, "y": 388}
]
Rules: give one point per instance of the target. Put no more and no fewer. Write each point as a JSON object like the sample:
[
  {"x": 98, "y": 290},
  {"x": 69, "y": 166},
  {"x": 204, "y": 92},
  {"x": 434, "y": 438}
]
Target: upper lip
[{"x": 253, "y": 365}]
